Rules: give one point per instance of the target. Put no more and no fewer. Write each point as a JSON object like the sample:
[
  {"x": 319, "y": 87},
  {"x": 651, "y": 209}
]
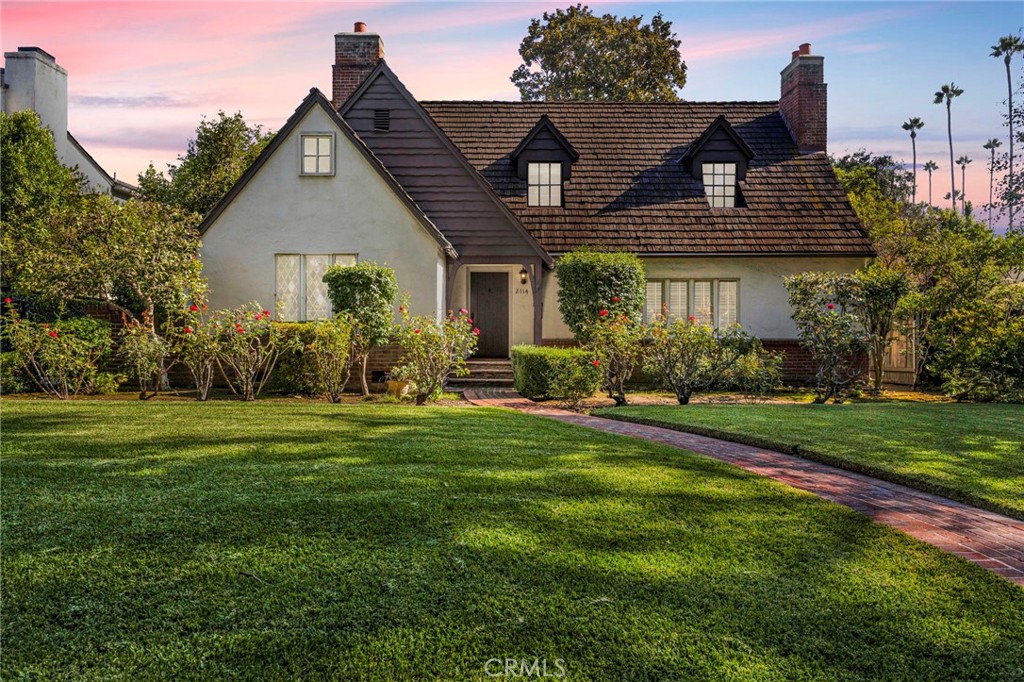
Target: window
[
  {"x": 720, "y": 184},
  {"x": 300, "y": 290},
  {"x": 545, "y": 184},
  {"x": 709, "y": 301},
  {"x": 317, "y": 154},
  {"x": 382, "y": 120}
]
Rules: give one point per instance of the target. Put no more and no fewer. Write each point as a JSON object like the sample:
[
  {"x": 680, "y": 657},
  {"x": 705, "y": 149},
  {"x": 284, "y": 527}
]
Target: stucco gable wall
[{"x": 353, "y": 211}]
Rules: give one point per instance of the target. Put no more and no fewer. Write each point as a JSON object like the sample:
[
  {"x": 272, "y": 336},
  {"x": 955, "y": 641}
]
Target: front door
[{"x": 488, "y": 305}]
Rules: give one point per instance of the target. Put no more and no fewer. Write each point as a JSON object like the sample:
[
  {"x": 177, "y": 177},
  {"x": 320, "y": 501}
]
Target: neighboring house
[
  {"x": 31, "y": 79},
  {"x": 473, "y": 202}
]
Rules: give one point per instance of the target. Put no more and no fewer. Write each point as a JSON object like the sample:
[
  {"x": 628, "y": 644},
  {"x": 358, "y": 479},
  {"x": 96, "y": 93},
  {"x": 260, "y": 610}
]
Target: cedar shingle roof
[{"x": 628, "y": 189}]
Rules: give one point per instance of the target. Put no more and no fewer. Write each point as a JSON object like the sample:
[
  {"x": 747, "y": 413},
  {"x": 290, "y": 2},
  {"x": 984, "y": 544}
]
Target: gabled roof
[
  {"x": 719, "y": 124},
  {"x": 118, "y": 188},
  {"x": 545, "y": 124},
  {"x": 315, "y": 98},
  {"x": 629, "y": 191},
  {"x": 382, "y": 70}
]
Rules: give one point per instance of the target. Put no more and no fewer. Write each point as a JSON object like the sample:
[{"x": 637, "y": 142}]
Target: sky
[{"x": 142, "y": 74}]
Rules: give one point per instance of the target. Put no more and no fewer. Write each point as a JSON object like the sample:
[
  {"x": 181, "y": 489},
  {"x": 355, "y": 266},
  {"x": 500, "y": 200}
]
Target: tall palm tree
[
  {"x": 914, "y": 124},
  {"x": 946, "y": 94},
  {"x": 991, "y": 147},
  {"x": 930, "y": 166},
  {"x": 962, "y": 162},
  {"x": 1006, "y": 48}
]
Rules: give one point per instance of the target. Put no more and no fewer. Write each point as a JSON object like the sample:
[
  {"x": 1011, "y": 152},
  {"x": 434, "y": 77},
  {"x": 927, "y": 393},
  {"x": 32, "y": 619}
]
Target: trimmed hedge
[
  {"x": 296, "y": 372},
  {"x": 541, "y": 372},
  {"x": 592, "y": 281}
]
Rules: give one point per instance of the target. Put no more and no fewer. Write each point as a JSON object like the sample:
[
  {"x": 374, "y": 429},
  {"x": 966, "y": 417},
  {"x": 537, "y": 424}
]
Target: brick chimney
[
  {"x": 356, "y": 54},
  {"x": 803, "y": 101}
]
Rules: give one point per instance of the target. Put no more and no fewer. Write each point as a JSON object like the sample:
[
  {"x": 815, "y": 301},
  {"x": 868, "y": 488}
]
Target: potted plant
[{"x": 399, "y": 383}]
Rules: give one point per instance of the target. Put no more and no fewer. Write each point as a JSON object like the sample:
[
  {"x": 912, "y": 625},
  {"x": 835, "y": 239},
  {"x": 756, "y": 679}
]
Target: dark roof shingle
[{"x": 628, "y": 189}]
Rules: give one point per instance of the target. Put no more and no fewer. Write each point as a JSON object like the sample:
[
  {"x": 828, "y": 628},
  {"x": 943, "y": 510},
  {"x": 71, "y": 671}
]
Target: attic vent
[{"x": 382, "y": 120}]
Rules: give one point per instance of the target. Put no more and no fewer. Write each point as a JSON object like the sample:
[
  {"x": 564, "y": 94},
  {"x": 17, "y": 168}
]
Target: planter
[{"x": 399, "y": 388}]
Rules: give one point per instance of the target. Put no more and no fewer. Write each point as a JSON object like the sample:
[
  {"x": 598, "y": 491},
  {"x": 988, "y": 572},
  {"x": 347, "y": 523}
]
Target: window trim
[
  {"x": 302, "y": 154},
  {"x": 690, "y": 290},
  {"x": 549, "y": 184},
  {"x": 301, "y": 317}
]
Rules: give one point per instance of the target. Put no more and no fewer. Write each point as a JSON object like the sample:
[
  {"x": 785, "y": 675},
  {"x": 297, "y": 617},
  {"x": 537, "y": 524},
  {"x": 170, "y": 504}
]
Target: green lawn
[
  {"x": 285, "y": 541},
  {"x": 970, "y": 452}
]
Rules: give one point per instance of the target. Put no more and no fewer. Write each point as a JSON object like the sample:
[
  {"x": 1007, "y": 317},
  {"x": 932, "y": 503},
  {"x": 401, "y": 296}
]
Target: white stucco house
[
  {"x": 31, "y": 79},
  {"x": 472, "y": 203}
]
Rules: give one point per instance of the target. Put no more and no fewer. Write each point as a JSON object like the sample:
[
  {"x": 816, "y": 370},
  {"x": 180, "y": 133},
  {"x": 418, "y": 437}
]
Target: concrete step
[{"x": 464, "y": 382}]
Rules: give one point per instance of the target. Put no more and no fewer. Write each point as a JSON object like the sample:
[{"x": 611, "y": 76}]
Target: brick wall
[
  {"x": 355, "y": 56},
  {"x": 804, "y": 101}
]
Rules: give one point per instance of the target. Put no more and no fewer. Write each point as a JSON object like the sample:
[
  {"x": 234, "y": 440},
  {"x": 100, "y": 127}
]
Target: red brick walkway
[{"x": 988, "y": 539}]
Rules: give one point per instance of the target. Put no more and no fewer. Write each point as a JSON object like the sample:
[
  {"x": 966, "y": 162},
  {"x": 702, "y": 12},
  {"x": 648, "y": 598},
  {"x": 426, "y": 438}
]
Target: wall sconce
[{"x": 524, "y": 276}]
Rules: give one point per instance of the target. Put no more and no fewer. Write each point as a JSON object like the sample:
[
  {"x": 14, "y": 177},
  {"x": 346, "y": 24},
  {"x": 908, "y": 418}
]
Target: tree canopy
[
  {"x": 221, "y": 151},
  {"x": 580, "y": 56}
]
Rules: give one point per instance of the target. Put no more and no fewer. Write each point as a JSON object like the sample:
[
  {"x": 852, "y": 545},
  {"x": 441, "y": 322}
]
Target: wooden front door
[{"x": 488, "y": 305}]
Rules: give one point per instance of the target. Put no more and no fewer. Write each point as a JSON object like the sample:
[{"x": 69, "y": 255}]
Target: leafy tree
[
  {"x": 963, "y": 161},
  {"x": 991, "y": 147},
  {"x": 947, "y": 93},
  {"x": 592, "y": 281},
  {"x": 912, "y": 125},
  {"x": 930, "y": 167},
  {"x": 1008, "y": 46},
  {"x": 887, "y": 176},
  {"x": 35, "y": 189},
  {"x": 366, "y": 293},
  {"x": 880, "y": 291},
  {"x": 221, "y": 151},
  {"x": 584, "y": 57}
]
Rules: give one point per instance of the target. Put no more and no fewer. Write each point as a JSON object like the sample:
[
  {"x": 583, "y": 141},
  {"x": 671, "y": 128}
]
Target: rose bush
[
  {"x": 198, "y": 346},
  {"x": 434, "y": 351},
  {"x": 247, "y": 348},
  {"x": 617, "y": 341}
]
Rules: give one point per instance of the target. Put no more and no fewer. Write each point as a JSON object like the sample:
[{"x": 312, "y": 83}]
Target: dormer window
[
  {"x": 545, "y": 184},
  {"x": 720, "y": 184}
]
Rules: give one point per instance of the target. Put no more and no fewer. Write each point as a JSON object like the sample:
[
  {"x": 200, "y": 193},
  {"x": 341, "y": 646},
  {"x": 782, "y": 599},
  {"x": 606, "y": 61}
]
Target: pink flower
[
  {"x": 831, "y": 307},
  {"x": 615, "y": 299},
  {"x": 188, "y": 330},
  {"x": 53, "y": 333},
  {"x": 476, "y": 330},
  {"x": 470, "y": 320},
  {"x": 604, "y": 313},
  {"x": 463, "y": 311},
  {"x": 194, "y": 308},
  {"x": 596, "y": 363}
]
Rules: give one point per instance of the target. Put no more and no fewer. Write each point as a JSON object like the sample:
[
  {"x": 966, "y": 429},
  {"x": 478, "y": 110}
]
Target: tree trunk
[
  {"x": 683, "y": 399},
  {"x": 1009, "y": 103},
  {"x": 620, "y": 399},
  {"x": 362, "y": 374},
  {"x": 913, "y": 152},
  {"x": 930, "y": 189},
  {"x": 952, "y": 164}
]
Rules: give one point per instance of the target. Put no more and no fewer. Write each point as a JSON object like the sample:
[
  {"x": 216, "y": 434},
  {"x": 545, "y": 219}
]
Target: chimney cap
[
  {"x": 805, "y": 48},
  {"x": 38, "y": 50},
  {"x": 360, "y": 27}
]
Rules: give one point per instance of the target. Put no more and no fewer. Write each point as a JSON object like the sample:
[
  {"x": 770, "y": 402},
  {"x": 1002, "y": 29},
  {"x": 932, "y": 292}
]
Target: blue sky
[{"x": 142, "y": 73}]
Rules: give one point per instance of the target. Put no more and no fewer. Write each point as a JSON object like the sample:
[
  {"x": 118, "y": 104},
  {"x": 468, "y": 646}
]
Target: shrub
[
  {"x": 592, "y": 281},
  {"x": 12, "y": 378},
  {"x": 143, "y": 352},
  {"x": 880, "y": 291},
  {"x": 823, "y": 308},
  {"x": 296, "y": 371},
  {"x": 105, "y": 383},
  {"x": 686, "y": 356},
  {"x": 197, "y": 341},
  {"x": 433, "y": 351},
  {"x": 569, "y": 374},
  {"x": 330, "y": 351},
  {"x": 60, "y": 358},
  {"x": 757, "y": 373},
  {"x": 247, "y": 349},
  {"x": 366, "y": 293},
  {"x": 617, "y": 341}
]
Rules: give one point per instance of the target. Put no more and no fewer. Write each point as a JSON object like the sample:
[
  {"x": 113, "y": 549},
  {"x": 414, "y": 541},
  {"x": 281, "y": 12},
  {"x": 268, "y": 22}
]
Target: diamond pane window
[
  {"x": 720, "y": 184},
  {"x": 544, "y": 184},
  {"x": 318, "y": 305},
  {"x": 317, "y": 157},
  {"x": 301, "y": 291},
  {"x": 289, "y": 287}
]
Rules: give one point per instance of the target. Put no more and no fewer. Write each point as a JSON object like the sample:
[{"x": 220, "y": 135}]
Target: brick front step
[
  {"x": 474, "y": 381},
  {"x": 485, "y": 372}
]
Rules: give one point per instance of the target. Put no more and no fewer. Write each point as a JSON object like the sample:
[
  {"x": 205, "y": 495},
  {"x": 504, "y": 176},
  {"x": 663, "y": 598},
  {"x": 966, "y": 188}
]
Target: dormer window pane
[
  {"x": 720, "y": 184},
  {"x": 544, "y": 184},
  {"x": 317, "y": 156}
]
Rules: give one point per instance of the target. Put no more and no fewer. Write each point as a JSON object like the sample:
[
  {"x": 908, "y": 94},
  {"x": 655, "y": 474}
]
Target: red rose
[
  {"x": 194, "y": 308},
  {"x": 604, "y": 313},
  {"x": 266, "y": 314},
  {"x": 258, "y": 316},
  {"x": 470, "y": 320},
  {"x": 7, "y": 300},
  {"x": 53, "y": 333},
  {"x": 831, "y": 307},
  {"x": 596, "y": 363},
  {"x": 415, "y": 331},
  {"x": 239, "y": 330},
  {"x": 692, "y": 318},
  {"x": 615, "y": 299},
  {"x": 476, "y": 331},
  {"x": 188, "y": 330}
]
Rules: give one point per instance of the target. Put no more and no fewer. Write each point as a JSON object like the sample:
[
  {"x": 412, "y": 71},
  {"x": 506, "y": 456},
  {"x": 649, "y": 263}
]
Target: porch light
[{"x": 523, "y": 276}]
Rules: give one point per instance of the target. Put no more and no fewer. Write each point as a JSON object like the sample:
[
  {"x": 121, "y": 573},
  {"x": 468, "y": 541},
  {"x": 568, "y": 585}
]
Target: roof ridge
[{"x": 598, "y": 102}]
